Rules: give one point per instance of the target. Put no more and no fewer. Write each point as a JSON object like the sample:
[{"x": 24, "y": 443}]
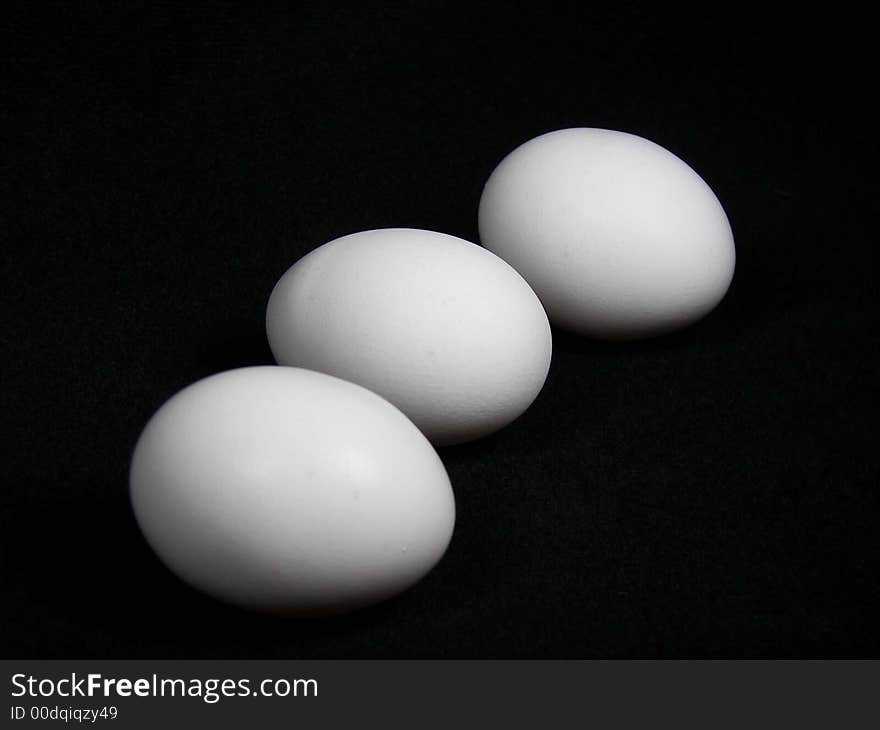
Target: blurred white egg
[
  {"x": 442, "y": 328},
  {"x": 617, "y": 236},
  {"x": 290, "y": 491}
]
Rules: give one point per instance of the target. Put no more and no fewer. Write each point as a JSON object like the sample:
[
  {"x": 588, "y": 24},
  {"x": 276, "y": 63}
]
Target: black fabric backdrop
[{"x": 707, "y": 494}]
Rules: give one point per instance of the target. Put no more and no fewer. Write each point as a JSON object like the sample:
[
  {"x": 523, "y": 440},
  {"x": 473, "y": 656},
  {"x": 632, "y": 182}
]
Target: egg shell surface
[
  {"x": 289, "y": 491},
  {"x": 618, "y": 237},
  {"x": 442, "y": 328}
]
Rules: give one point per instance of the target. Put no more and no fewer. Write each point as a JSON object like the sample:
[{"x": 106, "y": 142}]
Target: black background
[{"x": 707, "y": 494}]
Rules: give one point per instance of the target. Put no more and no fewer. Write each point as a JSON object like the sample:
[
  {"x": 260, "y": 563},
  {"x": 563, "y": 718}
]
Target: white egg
[
  {"x": 617, "y": 236},
  {"x": 442, "y": 328},
  {"x": 285, "y": 490}
]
